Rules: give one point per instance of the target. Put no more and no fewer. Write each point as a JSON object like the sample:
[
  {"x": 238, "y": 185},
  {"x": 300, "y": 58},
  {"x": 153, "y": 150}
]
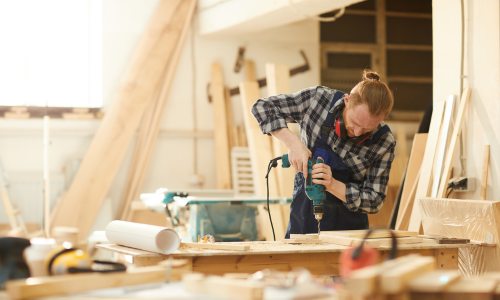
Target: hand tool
[{"x": 315, "y": 192}]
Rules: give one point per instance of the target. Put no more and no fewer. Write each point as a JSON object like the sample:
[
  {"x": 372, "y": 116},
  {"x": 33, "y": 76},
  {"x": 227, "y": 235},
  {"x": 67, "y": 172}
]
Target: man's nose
[{"x": 358, "y": 131}]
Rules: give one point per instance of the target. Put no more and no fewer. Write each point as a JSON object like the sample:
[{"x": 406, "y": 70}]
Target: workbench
[{"x": 319, "y": 259}]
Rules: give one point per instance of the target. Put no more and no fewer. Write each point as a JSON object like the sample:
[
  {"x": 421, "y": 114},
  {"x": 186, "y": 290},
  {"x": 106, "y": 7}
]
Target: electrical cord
[
  {"x": 454, "y": 185},
  {"x": 273, "y": 163}
]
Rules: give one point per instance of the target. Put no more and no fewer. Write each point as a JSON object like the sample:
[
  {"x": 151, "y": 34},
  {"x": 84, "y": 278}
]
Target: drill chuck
[{"x": 318, "y": 212}]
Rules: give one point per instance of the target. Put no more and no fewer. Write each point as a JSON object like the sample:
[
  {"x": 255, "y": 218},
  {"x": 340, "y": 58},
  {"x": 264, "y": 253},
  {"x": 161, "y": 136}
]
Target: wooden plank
[
  {"x": 231, "y": 137},
  {"x": 105, "y": 154},
  {"x": 373, "y": 235},
  {"x": 223, "y": 287},
  {"x": 36, "y": 287},
  {"x": 406, "y": 213},
  {"x": 278, "y": 82},
  {"x": 394, "y": 281},
  {"x": 457, "y": 130},
  {"x": 427, "y": 163},
  {"x": 259, "y": 144},
  {"x": 379, "y": 242},
  {"x": 303, "y": 241},
  {"x": 471, "y": 288},
  {"x": 381, "y": 39},
  {"x": 304, "y": 236},
  {"x": 218, "y": 246},
  {"x": 433, "y": 282},
  {"x": 414, "y": 163},
  {"x": 443, "y": 140},
  {"x": 484, "y": 177},
  {"x": 222, "y": 157}
]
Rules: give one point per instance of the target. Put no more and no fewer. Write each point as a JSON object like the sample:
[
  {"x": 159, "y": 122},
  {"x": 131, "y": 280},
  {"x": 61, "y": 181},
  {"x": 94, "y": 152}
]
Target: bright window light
[{"x": 51, "y": 53}]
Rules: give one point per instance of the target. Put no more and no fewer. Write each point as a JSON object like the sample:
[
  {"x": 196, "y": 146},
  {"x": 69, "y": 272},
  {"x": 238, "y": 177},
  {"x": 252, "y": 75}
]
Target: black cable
[
  {"x": 273, "y": 163},
  {"x": 449, "y": 193}
]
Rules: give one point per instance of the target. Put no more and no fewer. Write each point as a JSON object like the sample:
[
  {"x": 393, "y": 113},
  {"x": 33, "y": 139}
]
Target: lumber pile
[
  {"x": 415, "y": 277},
  {"x": 354, "y": 238},
  {"x": 155, "y": 58}
]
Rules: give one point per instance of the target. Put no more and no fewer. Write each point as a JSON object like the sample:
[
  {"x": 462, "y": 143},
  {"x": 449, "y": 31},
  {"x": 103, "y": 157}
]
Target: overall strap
[
  {"x": 377, "y": 135},
  {"x": 327, "y": 126}
]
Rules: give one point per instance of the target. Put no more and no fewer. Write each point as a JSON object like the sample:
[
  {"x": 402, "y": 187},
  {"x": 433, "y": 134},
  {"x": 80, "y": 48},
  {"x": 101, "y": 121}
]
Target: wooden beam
[
  {"x": 414, "y": 163},
  {"x": 484, "y": 178},
  {"x": 259, "y": 145},
  {"x": 105, "y": 154},
  {"x": 278, "y": 82},
  {"x": 218, "y": 246},
  {"x": 394, "y": 281},
  {"x": 457, "y": 130},
  {"x": 150, "y": 125},
  {"x": 222, "y": 157},
  {"x": 373, "y": 235},
  {"x": 381, "y": 39},
  {"x": 405, "y": 212},
  {"x": 433, "y": 282},
  {"x": 427, "y": 163},
  {"x": 37, "y": 287}
]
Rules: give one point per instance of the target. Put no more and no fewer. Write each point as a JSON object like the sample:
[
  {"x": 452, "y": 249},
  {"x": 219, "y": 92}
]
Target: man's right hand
[{"x": 299, "y": 157}]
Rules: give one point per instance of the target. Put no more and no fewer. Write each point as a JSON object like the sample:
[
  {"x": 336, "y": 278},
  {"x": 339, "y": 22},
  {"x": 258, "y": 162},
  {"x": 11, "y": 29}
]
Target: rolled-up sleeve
[
  {"x": 369, "y": 196},
  {"x": 273, "y": 113}
]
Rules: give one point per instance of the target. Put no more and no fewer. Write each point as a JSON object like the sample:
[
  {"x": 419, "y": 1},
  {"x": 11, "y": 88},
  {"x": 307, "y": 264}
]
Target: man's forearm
[
  {"x": 338, "y": 189},
  {"x": 286, "y": 136}
]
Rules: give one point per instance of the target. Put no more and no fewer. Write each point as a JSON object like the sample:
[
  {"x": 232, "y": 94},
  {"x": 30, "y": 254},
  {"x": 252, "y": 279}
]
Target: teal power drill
[{"x": 315, "y": 192}]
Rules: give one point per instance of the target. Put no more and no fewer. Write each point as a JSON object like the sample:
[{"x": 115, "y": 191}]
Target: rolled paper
[{"x": 142, "y": 236}]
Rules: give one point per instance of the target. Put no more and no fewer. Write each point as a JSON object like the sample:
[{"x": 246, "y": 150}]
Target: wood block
[
  {"x": 36, "y": 287},
  {"x": 218, "y": 246},
  {"x": 373, "y": 235},
  {"x": 223, "y": 287},
  {"x": 304, "y": 236},
  {"x": 111, "y": 141},
  {"x": 297, "y": 241},
  {"x": 16, "y": 115},
  {"x": 433, "y": 282},
  {"x": 394, "y": 281},
  {"x": 424, "y": 185},
  {"x": 472, "y": 288}
]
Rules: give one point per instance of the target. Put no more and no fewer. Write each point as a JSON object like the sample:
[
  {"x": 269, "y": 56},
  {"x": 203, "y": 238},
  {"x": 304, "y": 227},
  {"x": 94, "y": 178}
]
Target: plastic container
[{"x": 35, "y": 255}]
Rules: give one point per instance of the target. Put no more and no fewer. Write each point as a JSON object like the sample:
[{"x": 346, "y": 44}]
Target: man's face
[{"x": 358, "y": 120}]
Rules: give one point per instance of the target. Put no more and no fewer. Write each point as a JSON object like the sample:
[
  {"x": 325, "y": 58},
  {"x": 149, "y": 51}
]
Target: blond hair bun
[{"x": 367, "y": 74}]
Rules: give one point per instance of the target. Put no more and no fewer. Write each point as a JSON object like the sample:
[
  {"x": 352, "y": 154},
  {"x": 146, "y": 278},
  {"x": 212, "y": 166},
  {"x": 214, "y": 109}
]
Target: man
[{"x": 348, "y": 133}]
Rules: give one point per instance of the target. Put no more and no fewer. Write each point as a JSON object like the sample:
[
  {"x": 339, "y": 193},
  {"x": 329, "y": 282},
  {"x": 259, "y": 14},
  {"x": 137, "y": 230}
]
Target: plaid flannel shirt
[{"x": 309, "y": 108}]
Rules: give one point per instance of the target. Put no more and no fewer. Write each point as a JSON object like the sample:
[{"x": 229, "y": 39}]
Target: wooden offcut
[
  {"x": 424, "y": 183},
  {"x": 457, "y": 130},
  {"x": 259, "y": 145},
  {"x": 484, "y": 177},
  {"x": 37, "y": 287},
  {"x": 278, "y": 82}
]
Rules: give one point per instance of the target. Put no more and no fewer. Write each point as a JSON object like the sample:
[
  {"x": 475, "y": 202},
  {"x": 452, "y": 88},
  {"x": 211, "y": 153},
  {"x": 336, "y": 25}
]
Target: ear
[{"x": 346, "y": 99}]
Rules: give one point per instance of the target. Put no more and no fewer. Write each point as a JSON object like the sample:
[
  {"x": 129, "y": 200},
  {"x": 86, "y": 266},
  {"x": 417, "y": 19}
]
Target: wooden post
[
  {"x": 484, "y": 178},
  {"x": 46, "y": 180},
  {"x": 222, "y": 158},
  {"x": 278, "y": 82},
  {"x": 105, "y": 154}
]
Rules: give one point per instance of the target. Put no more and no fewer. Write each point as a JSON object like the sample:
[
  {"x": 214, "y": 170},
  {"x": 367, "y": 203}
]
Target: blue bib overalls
[{"x": 336, "y": 216}]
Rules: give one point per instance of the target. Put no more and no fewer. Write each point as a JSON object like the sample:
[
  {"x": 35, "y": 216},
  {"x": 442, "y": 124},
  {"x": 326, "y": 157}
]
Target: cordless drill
[{"x": 315, "y": 192}]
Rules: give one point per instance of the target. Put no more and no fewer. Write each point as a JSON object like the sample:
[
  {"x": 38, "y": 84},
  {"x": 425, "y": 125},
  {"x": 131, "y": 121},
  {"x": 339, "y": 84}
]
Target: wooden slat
[
  {"x": 110, "y": 143},
  {"x": 222, "y": 157},
  {"x": 278, "y": 82},
  {"x": 259, "y": 144},
  {"x": 299, "y": 241},
  {"x": 433, "y": 282},
  {"x": 229, "y": 119},
  {"x": 381, "y": 39},
  {"x": 427, "y": 163},
  {"x": 484, "y": 177},
  {"x": 408, "y": 206},
  {"x": 443, "y": 140},
  {"x": 218, "y": 246},
  {"x": 150, "y": 125},
  {"x": 414, "y": 163},
  {"x": 374, "y": 234},
  {"x": 394, "y": 281},
  {"x": 457, "y": 130},
  {"x": 36, "y": 287}
]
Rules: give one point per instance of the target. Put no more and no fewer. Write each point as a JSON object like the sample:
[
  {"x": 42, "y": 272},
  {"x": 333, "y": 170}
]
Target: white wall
[
  {"x": 482, "y": 69},
  {"x": 172, "y": 162}
]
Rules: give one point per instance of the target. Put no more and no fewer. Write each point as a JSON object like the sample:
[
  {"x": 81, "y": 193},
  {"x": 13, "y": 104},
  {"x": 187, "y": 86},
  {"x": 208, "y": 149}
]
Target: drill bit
[{"x": 319, "y": 230}]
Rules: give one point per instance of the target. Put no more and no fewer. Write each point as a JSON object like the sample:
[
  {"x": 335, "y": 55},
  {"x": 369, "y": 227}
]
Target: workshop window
[{"x": 51, "y": 53}]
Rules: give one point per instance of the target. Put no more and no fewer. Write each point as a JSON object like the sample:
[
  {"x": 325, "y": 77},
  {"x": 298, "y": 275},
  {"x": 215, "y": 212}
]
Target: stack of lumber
[
  {"x": 429, "y": 168},
  {"x": 353, "y": 238},
  {"x": 415, "y": 277},
  {"x": 146, "y": 81}
]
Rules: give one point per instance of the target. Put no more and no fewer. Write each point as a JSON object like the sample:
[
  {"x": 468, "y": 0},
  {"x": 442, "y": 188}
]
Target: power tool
[{"x": 315, "y": 192}]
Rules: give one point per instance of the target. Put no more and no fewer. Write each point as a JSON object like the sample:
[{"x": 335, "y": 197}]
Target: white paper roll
[{"x": 142, "y": 236}]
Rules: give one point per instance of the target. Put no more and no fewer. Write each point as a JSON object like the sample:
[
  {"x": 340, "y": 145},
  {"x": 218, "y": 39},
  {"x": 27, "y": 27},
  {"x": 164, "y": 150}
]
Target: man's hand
[
  {"x": 299, "y": 156},
  {"x": 322, "y": 174}
]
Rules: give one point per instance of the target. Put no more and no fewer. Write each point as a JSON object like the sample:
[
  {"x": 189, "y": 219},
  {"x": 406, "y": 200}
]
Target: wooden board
[
  {"x": 303, "y": 241},
  {"x": 394, "y": 281},
  {"x": 379, "y": 242},
  {"x": 218, "y": 246},
  {"x": 221, "y": 139},
  {"x": 110, "y": 143},
  {"x": 223, "y": 287},
  {"x": 278, "y": 82},
  {"x": 407, "y": 208},
  {"x": 457, "y": 130},
  {"x": 304, "y": 236},
  {"x": 484, "y": 177},
  {"x": 37, "y": 287},
  {"x": 414, "y": 164},
  {"x": 259, "y": 145},
  {"x": 373, "y": 235},
  {"x": 471, "y": 288},
  {"x": 433, "y": 282},
  {"x": 427, "y": 163}
]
